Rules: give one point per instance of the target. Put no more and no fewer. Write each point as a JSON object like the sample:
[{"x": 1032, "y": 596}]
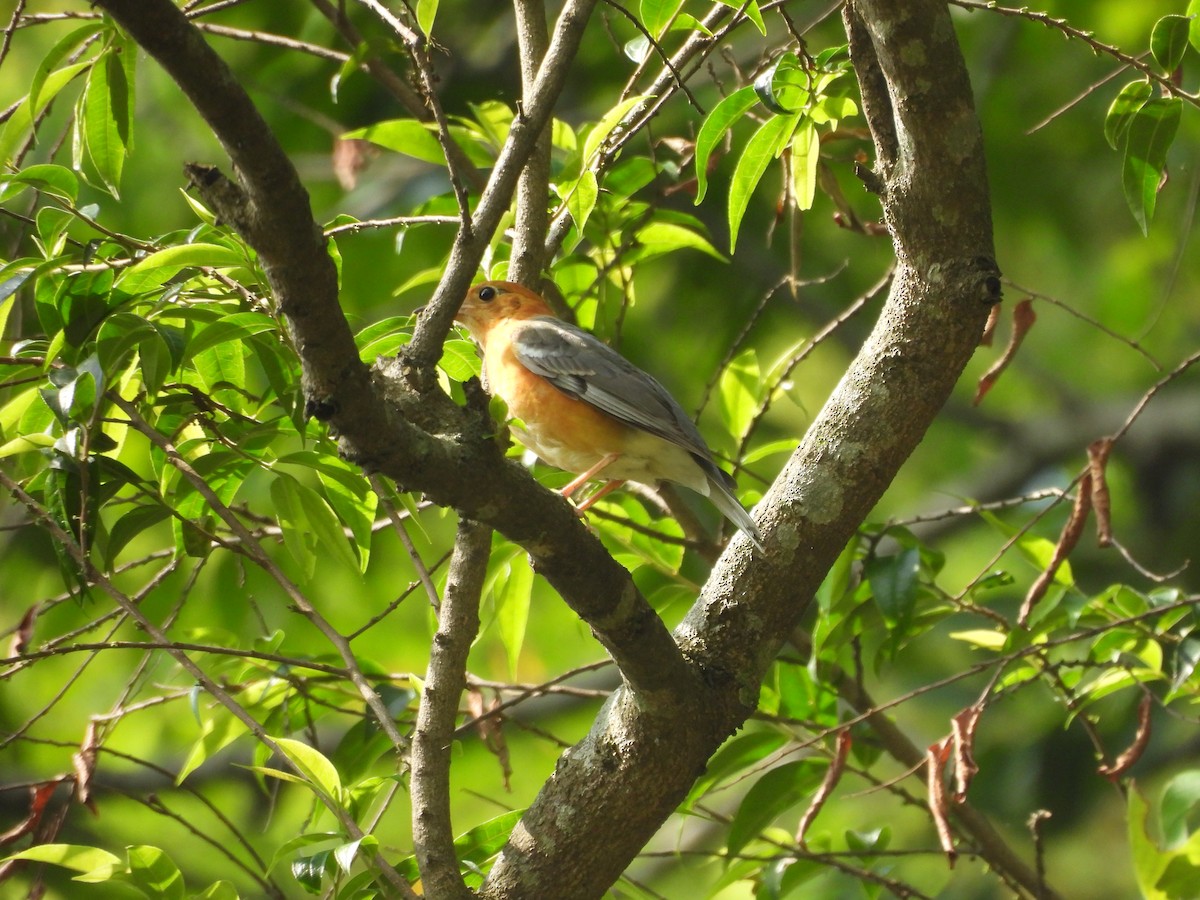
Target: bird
[{"x": 584, "y": 408}]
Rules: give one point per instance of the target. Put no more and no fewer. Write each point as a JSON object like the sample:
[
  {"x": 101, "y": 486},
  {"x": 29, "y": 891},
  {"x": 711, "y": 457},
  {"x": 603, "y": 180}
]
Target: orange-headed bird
[{"x": 585, "y": 408}]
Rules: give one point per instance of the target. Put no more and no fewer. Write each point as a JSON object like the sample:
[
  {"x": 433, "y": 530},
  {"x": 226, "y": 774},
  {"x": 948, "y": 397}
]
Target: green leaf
[
  {"x": 982, "y": 637},
  {"x": 90, "y": 860},
  {"x": 407, "y": 136},
  {"x": 130, "y": 526},
  {"x": 1149, "y": 862},
  {"x": 220, "y": 729},
  {"x": 460, "y": 360},
  {"x": 764, "y": 145},
  {"x": 1179, "y": 808},
  {"x": 154, "y": 872},
  {"x": 736, "y": 755},
  {"x": 719, "y": 121},
  {"x": 107, "y": 118},
  {"x": 221, "y": 366},
  {"x": 484, "y": 841},
  {"x": 1124, "y": 107},
  {"x": 315, "y": 767},
  {"x": 806, "y": 157},
  {"x": 785, "y": 87},
  {"x": 311, "y": 530},
  {"x": 751, "y": 11},
  {"x": 239, "y": 326},
  {"x": 154, "y": 270},
  {"x": 345, "y": 855},
  {"x": 426, "y": 13},
  {"x": 1169, "y": 40},
  {"x": 893, "y": 582},
  {"x": 597, "y": 136},
  {"x": 738, "y": 391},
  {"x": 57, "y": 181},
  {"x": 832, "y": 109},
  {"x": 657, "y": 15},
  {"x": 660, "y": 238},
  {"x": 47, "y": 81},
  {"x": 309, "y": 870},
  {"x": 779, "y": 790},
  {"x": 1193, "y": 14},
  {"x": 580, "y": 196},
  {"x": 219, "y": 890},
  {"x": 1150, "y": 135},
  {"x": 383, "y": 338},
  {"x": 512, "y": 595}
]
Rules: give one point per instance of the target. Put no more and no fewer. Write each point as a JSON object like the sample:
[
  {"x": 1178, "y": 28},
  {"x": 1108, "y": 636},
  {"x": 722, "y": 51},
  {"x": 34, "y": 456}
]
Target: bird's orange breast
[{"x": 566, "y": 432}]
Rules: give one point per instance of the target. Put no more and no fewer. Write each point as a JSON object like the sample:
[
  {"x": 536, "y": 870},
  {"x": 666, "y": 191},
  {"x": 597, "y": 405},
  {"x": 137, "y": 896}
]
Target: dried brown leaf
[
  {"x": 1066, "y": 543},
  {"x": 1098, "y": 453},
  {"x": 832, "y": 775},
  {"x": 1133, "y": 752},
  {"x": 1023, "y": 318}
]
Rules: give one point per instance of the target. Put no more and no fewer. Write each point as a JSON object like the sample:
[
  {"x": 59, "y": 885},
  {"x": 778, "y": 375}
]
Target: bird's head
[{"x": 490, "y": 302}]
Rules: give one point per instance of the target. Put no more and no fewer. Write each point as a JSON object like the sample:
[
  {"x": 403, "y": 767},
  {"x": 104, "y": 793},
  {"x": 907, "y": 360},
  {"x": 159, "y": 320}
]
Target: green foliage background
[{"x": 1063, "y": 232}]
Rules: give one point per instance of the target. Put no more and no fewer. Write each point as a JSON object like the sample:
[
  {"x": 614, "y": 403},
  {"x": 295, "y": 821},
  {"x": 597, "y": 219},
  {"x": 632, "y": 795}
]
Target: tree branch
[
  {"x": 533, "y": 188},
  {"x": 458, "y": 623}
]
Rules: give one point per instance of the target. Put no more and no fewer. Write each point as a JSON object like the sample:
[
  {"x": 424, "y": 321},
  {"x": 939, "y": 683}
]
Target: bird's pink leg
[
  {"x": 607, "y": 489},
  {"x": 591, "y": 473}
]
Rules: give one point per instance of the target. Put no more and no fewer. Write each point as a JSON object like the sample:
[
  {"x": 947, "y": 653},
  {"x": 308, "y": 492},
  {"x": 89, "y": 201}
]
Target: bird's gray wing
[
  {"x": 583, "y": 367},
  {"x": 580, "y": 365}
]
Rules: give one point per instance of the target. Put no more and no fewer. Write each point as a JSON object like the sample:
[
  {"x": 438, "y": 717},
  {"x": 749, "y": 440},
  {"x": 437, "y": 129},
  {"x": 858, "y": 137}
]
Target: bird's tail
[{"x": 721, "y": 495}]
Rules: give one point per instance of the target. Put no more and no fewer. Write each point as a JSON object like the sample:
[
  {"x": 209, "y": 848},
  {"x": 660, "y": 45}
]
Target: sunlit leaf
[
  {"x": 1149, "y": 861},
  {"x": 48, "y": 80},
  {"x": 1150, "y": 135},
  {"x": 656, "y": 15},
  {"x": 58, "y": 181},
  {"x": 607, "y": 125},
  {"x": 1169, "y": 40},
  {"x": 407, "y": 136},
  {"x": 719, "y": 121},
  {"x": 737, "y": 394},
  {"x": 660, "y": 238},
  {"x": 154, "y": 872},
  {"x": 513, "y": 593},
  {"x": 220, "y": 729},
  {"x": 314, "y": 766},
  {"x": 159, "y": 267},
  {"x": 751, "y": 11},
  {"x": 1179, "y": 808},
  {"x": 765, "y": 145},
  {"x": 107, "y": 116},
  {"x": 785, "y": 87},
  {"x": 806, "y": 157},
  {"x": 982, "y": 637},
  {"x": 426, "y": 13},
  {"x": 1124, "y": 107},
  {"x": 90, "y": 860},
  {"x": 581, "y": 197}
]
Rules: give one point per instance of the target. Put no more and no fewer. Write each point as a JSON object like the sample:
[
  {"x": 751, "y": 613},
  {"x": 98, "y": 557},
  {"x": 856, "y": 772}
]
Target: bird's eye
[{"x": 487, "y": 294}]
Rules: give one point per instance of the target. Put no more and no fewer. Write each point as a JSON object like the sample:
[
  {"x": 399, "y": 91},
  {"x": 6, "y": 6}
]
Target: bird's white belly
[{"x": 646, "y": 459}]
